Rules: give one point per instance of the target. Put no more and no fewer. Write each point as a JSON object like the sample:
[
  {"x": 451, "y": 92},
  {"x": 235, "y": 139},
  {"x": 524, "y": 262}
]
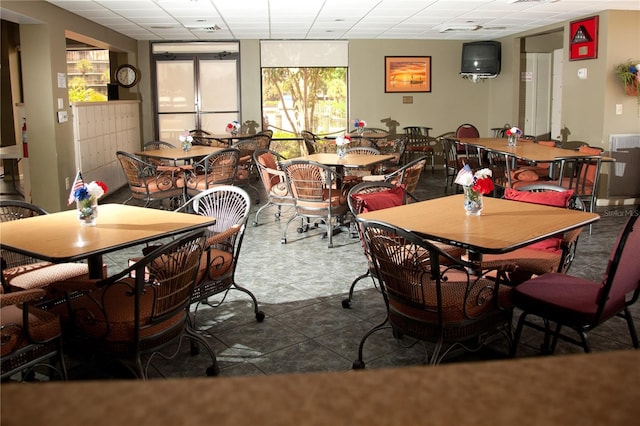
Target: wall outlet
[
  {"x": 66, "y": 183},
  {"x": 618, "y": 109}
]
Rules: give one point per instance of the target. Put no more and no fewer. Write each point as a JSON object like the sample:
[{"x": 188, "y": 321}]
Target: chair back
[
  {"x": 313, "y": 186},
  {"x": 413, "y": 131},
  {"x": 200, "y": 137},
  {"x": 467, "y": 131},
  {"x": 621, "y": 281},
  {"x": 431, "y": 295},
  {"x": 581, "y": 174},
  {"x": 217, "y": 168},
  {"x": 310, "y": 140},
  {"x": 144, "y": 307},
  {"x": 136, "y": 171},
  {"x": 16, "y": 210},
  {"x": 501, "y": 164},
  {"x": 151, "y": 145},
  {"x": 268, "y": 163},
  {"x": 409, "y": 175},
  {"x": 363, "y": 150}
]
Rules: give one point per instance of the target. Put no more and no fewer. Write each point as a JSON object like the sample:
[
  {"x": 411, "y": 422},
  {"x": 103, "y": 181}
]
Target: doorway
[{"x": 195, "y": 89}]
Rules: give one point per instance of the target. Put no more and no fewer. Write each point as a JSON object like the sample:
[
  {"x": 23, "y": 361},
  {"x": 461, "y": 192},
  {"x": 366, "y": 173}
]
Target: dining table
[
  {"x": 502, "y": 226},
  {"x": 348, "y": 161},
  {"x": 226, "y": 138},
  {"x": 526, "y": 151},
  {"x": 60, "y": 237},
  {"x": 178, "y": 154}
]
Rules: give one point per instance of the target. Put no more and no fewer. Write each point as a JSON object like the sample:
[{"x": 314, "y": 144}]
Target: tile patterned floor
[{"x": 300, "y": 286}]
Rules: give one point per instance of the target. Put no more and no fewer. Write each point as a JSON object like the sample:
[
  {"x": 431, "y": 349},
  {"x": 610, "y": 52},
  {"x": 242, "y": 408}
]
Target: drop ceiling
[{"x": 332, "y": 19}]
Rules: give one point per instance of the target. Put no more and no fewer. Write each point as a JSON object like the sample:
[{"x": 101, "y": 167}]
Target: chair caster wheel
[
  {"x": 358, "y": 365},
  {"x": 255, "y": 224},
  {"x": 260, "y": 316},
  {"x": 213, "y": 370},
  {"x": 300, "y": 230},
  {"x": 283, "y": 241},
  {"x": 346, "y": 303}
]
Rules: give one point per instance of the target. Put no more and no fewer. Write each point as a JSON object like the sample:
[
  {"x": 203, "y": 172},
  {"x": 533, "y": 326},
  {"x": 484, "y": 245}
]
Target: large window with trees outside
[{"x": 308, "y": 98}]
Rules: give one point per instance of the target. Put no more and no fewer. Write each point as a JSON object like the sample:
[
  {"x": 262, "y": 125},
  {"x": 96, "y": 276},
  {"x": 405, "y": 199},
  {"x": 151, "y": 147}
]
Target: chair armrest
[{"x": 21, "y": 296}]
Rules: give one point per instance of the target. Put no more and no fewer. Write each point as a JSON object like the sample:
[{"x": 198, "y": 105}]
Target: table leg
[{"x": 95, "y": 266}]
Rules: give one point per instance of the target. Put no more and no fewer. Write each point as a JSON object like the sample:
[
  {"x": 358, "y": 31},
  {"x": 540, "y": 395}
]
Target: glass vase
[
  {"x": 87, "y": 212},
  {"x": 472, "y": 201},
  {"x": 341, "y": 151},
  {"x": 511, "y": 140},
  {"x": 186, "y": 146}
]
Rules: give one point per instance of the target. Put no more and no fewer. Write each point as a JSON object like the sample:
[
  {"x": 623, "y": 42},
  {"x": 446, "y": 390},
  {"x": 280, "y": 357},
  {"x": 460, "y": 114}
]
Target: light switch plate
[
  {"x": 618, "y": 109},
  {"x": 62, "y": 116}
]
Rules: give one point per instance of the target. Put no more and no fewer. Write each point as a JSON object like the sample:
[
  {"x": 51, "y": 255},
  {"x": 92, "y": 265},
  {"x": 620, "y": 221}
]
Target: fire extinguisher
[{"x": 25, "y": 147}]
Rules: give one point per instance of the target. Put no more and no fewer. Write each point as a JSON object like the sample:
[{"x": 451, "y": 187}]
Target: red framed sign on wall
[{"x": 583, "y": 39}]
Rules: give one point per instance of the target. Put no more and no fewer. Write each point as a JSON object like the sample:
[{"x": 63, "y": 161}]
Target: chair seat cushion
[
  {"x": 214, "y": 264},
  {"x": 524, "y": 174},
  {"x": 529, "y": 261},
  {"x": 558, "y": 297},
  {"x": 372, "y": 201},
  {"x": 118, "y": 325},
  {"x": 43, "y": 326},
  {"x": 41, "y": 274},
  {"x": 548, "y": 198}
]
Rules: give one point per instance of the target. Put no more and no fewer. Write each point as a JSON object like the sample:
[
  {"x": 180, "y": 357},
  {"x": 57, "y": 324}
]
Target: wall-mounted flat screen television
[{"x": 481, "y": 57}]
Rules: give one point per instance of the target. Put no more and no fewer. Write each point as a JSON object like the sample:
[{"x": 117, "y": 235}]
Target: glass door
[{"x": 195, "y": 91}]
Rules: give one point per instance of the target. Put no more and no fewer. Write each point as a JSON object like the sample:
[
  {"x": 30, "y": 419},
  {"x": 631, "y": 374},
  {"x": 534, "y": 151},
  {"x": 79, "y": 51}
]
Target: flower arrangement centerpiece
[
  {"x": 474, "y": 186},
  {"x": 86, "y": 197},
  {"x": 233, "y": 127},
  {"x": 359, "y": 125},
  {"x": 512, "y": 135},
  {"x": 341, "y": 145},
  {"x": 186, "y": 140}
]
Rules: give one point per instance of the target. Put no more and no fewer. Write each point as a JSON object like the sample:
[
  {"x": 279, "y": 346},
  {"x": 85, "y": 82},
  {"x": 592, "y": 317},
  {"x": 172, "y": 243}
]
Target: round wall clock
[{"x": 127, "y": 75}]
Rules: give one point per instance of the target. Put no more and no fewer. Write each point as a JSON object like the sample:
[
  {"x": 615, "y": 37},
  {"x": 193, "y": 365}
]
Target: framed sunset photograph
[{"x": 403, "y": 74}]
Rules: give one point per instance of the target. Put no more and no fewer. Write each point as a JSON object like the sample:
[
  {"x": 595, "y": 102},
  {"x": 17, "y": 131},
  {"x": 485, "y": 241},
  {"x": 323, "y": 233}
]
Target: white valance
[{"x": 304, "y": 53}]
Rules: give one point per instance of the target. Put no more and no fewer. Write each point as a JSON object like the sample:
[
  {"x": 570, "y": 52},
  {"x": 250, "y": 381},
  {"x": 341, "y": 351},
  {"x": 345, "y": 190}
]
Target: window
[
  {"x": 88, "y": 75},
  {"x": 304, "y": 86}
]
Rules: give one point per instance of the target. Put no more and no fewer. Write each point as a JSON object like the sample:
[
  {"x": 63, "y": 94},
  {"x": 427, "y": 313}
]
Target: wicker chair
[
  {"x": 408, "y": 176},
  {"x": 274, "y": 182},
  {"x": 20, "y": 272},
  {"x": 153, "y": 145},
  {"x": 434, "y": 301},
  {"x": 136, "y": 314},
  {"x": 554, "y": 254},
  {"x": 452, "y": 162},
  {"x": 313, "y": 186},
  {"x": 149, "y": 182},
  {"x": 230, "y": 206},
  {"x": 361, "y": 199},
  {"x": 247, "y": 169},
  {"x": 29, "y": 336},
  {"x": 217, "y": 168}
]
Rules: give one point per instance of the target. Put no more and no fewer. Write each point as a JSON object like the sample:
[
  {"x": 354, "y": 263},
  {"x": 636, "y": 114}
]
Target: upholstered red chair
[
  {"x": 467, "y": 131},
  {"x": 580, "y": 304}
]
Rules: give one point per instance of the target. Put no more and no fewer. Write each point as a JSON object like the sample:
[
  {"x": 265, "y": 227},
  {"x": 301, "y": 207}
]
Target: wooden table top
[
  {"x": 59, "y": 237},
  {"x": 528, "y": 151},
  {"x": 176, "y": 154},
  {"x": 12, "y": 152},
  {"x": 350, "y": 160},
  {"x": 577, "y": 389},
  {"x": 504, "y": 225}
]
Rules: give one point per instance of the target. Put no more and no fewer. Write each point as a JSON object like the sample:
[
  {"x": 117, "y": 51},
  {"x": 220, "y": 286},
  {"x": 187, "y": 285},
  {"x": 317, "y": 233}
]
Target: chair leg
[
  {"x": 632, "y": 327},
  {"x": 255, "y": 221},
  {"x": 346, "y": 303},
  {"x": 516, "y": 337},
  {"x": 359, "y": 363},
  {"x": 259, "y": 314},
  {"x": 213, "y": 369}
]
